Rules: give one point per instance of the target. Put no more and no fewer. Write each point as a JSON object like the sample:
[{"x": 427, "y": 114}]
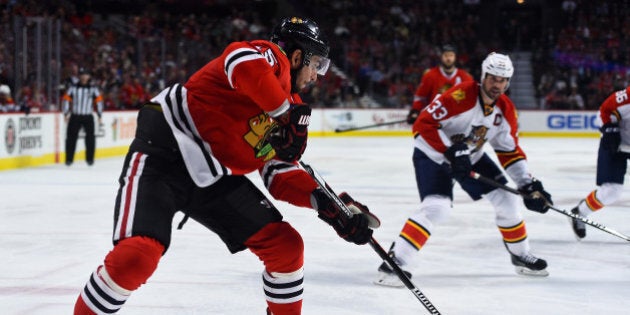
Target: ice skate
[
  {"x": 387, "y": 276},
  {"x": 529, "y": 265},
  {"x": 579, "y": 228}
]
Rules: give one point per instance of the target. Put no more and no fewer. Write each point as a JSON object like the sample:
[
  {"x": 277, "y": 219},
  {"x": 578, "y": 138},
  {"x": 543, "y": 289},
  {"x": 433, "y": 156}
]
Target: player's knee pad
[
  {"x": 133, "y": 261},
  {"x": 608, "y": 193},
  {"x": 435, "y": 208},
  {"x": 279, "y": 246},
  {"x": 506, "y": 206}
]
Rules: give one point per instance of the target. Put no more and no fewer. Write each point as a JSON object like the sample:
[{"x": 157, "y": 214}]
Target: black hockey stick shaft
[
  {"x": 592, "y": 223},
  {"x": 371, "y": 126},
  {"x": 401, "y": 275},
  {"x": 375, "y": 245}
]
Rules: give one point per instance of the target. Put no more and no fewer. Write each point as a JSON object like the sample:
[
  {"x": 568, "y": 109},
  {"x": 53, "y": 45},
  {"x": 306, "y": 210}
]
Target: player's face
[
  {"x": 448, "y": 59},
  {"x": 307, "y": 74},
  {"x": 493, "y": 86}
]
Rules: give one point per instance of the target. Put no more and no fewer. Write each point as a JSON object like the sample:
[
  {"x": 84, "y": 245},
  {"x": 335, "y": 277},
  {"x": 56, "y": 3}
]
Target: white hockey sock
[
  {"x": 284, "y": 288},
  {"x": 519, "y": 249}
]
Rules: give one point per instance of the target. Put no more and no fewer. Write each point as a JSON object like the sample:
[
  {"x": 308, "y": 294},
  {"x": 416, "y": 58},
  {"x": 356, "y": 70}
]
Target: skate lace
[{"x": 530, "y": 259}]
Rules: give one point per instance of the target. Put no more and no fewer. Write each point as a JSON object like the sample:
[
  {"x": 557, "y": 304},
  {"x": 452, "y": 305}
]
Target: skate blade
[
  {"x": 388, "y": 280},
  {"x": 524, "y": 271}
]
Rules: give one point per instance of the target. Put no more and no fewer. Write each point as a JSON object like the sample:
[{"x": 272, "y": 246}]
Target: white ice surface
[{"x": 55, "y": 225}]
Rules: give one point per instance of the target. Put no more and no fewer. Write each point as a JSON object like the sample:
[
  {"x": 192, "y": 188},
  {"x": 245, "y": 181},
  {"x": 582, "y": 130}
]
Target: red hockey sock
[
  {"x": 127, "y": 266},
  {"x": 285, "y": 309},
  {"x": 281, "y": 249},
  {"x": 81, "y": 309}
]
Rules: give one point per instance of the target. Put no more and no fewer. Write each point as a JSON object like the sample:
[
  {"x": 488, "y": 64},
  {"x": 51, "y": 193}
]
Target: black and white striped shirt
[{"x": 80, "y": 99}]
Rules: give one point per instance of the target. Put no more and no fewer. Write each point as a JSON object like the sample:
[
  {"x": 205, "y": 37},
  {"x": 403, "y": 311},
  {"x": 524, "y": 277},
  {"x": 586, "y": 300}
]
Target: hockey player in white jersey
[
  {"x": 612, "y": 158},
  {"x": 450, "y": 135}
]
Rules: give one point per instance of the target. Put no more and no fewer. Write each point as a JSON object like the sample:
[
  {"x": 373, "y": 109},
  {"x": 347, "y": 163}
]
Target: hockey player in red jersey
[
  {"x": 450, "y": 135},
  {"x": 612, "y": 158},
  {"x": 437, "y": 80},
  {"x": 194, "y": 144}
]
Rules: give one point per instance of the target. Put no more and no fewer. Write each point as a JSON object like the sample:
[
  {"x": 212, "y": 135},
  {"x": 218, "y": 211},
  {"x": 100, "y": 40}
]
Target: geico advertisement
[
  {"x": 27, "y": 134},
  {"x": 558, "y": 121},
  {"x": 530, "y": 121}
]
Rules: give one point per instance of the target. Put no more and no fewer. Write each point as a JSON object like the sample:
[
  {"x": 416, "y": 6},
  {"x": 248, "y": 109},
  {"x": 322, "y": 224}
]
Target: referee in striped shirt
[{"x": 78, "y": 109}]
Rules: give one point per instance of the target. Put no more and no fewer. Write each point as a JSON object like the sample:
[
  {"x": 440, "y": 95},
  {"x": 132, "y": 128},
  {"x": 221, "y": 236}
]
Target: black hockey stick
[
  {"x": 594, "y": 224},
  {"x": 371, "y": 126},
  {"x": 375, "y": 245}
]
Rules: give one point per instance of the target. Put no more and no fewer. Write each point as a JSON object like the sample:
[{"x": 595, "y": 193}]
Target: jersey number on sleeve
[
  {"x": 436, "y": 110},
  {"x": 621, "y": 96}
]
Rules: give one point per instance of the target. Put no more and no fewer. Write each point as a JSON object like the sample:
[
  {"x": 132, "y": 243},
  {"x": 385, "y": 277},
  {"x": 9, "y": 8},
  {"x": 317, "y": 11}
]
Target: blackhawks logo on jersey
[
  {"x": 444, "y": 88},
  {"x": 259, "y": 128}
]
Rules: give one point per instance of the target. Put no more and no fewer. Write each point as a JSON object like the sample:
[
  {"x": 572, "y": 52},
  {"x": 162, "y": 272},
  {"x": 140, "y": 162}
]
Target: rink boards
[{"x": 39, "y": 138}]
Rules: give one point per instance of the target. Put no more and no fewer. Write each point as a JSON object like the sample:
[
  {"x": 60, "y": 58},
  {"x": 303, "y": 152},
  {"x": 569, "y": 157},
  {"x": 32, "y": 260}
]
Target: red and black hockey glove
[
  {"x": 536, "y": 198},
  {"x": 412, "y": 116},
  {"x": 354, "y": 229},
  {"x": 289, "y": 137},
  {"x": 357, "y": 207}
]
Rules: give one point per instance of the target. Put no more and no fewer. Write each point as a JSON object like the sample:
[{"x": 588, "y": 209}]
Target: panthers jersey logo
[{"x": 475, "y": 139}]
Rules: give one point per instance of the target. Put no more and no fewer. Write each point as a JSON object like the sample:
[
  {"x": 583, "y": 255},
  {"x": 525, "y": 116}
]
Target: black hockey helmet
[
  {"x": 448, "y": 47},
  {"x": 84, "y": 70},
  {"x": 304, "y": 34}
]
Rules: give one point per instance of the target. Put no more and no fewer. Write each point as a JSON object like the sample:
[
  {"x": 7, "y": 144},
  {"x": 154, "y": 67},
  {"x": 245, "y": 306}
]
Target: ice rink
[{"x": 56, "y": 222}]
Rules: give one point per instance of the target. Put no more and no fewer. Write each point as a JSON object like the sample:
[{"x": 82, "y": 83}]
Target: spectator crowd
[
  {"x": 379, "y": 49},
  {"x": 583, "y": 62}
]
